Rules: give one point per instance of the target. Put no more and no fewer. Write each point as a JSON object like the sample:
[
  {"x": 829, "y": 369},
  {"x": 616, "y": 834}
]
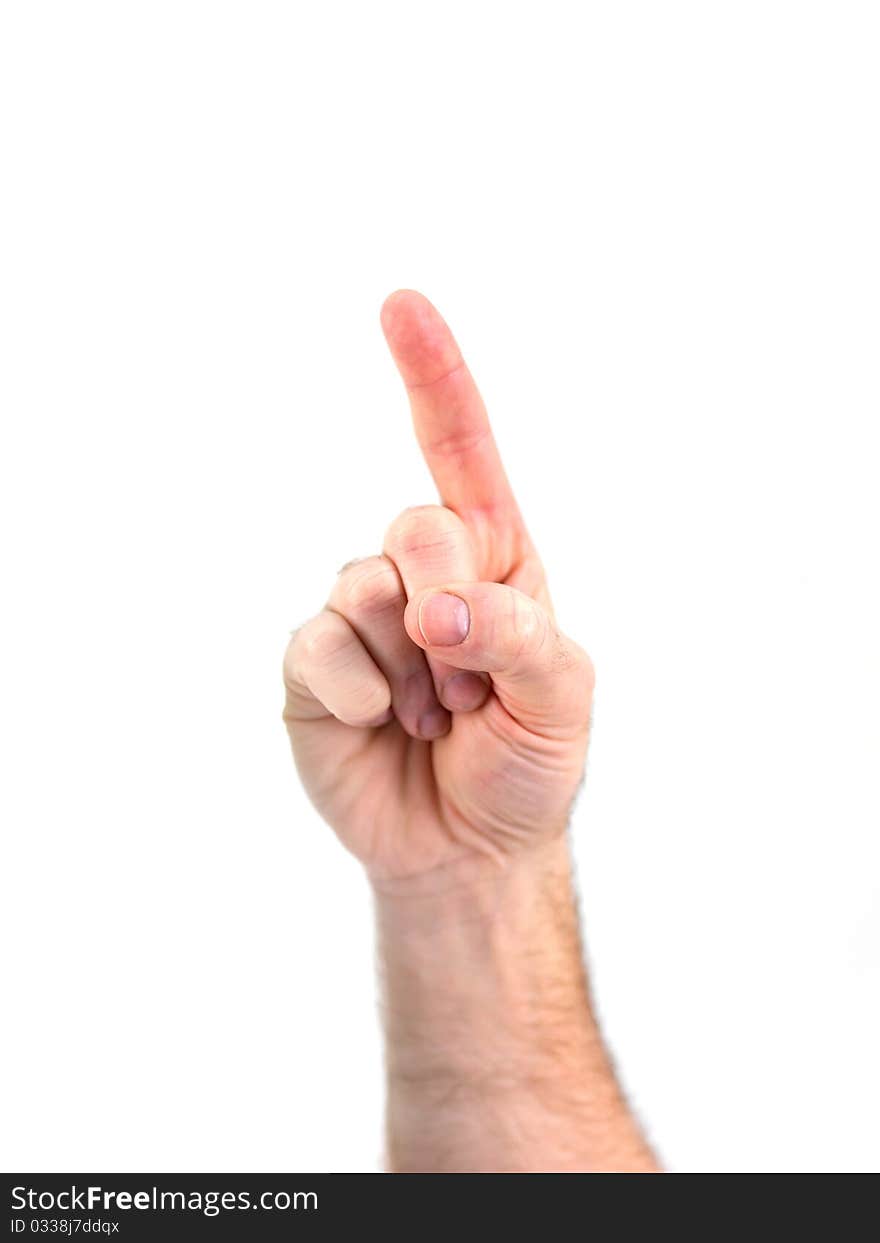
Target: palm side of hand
[{"x": 419, "y": 752}]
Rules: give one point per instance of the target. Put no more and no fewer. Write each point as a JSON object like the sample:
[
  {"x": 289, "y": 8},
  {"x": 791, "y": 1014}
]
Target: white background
[{"x": 654, "y": 229}]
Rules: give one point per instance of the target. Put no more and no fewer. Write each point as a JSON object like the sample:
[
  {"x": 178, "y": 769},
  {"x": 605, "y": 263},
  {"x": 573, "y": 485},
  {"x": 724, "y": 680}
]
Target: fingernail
[
  {"x": 444, "y": 619},
  {"x": 434, "y": 722}
]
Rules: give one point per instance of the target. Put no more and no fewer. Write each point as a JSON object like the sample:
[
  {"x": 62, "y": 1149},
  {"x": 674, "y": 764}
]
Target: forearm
[{"x": 494, "y": 1058}]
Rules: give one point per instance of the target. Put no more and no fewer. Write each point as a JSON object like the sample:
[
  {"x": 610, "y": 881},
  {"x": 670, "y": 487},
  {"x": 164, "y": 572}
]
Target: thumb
[{"x": 542, "y": 678}]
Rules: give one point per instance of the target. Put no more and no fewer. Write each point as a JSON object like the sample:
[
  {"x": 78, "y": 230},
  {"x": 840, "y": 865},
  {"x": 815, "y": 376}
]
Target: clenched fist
[{"x": 436, "y": 713}]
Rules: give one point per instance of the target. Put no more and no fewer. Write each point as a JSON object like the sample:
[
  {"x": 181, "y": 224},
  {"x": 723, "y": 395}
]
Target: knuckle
[
  {"x": 288, "y": 668},
  {"x": 421, "y": 527},
  {"x": 297, "y": 644},
  {"x": 582, "y": 679},
  {"x": 323, "y": 640},
  {"x": 536, "y": 638},
  {"x": 588, "y": 671},
  {"x": 297, "y": 655},
  {"x": 576, "y": 679},
  {"x": 563, "y": 656},
  {"x": 370, "y": 710},
  {"x": 369, "y": 587},
  {"x": 569, "y": 659},
  {"x": 530, "y": 627}
]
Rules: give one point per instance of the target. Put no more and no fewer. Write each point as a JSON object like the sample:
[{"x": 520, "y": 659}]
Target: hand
[
  {"x": 439, "y": 721},
  {"x": 436, "y": 714}
]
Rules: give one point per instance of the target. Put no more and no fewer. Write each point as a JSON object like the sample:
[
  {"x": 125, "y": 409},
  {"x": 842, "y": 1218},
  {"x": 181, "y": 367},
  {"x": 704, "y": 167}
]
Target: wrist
[
  {"x": 483, "y": 975},
  {"x": 482, "y": 880},
  {"x": 494, "y": 1058}
]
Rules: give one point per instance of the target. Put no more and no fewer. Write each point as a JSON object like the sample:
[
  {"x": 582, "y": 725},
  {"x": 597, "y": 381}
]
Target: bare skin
[{"x": 439, "y": 721}]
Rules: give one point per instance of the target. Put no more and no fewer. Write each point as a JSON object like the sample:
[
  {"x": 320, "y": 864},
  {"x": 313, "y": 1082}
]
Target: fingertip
[
  {"x": 397, "y": 301},
  {"x": 465, "y": 691},
  {"x": 418, "y": 337},
  {"x": 434, "y": 723}
]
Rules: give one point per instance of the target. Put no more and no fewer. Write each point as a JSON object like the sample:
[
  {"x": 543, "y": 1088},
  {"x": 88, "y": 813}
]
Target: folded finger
[
  {"x": 370, "y": 595},
  {"x": 328, "y": 671}
]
